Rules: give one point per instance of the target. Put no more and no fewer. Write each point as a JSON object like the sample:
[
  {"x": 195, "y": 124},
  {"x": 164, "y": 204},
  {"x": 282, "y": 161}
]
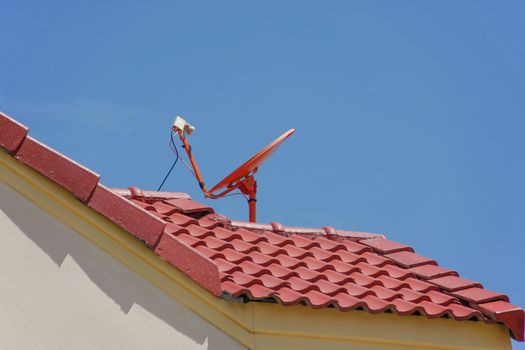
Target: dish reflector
[{"x": 251, "y": 165}]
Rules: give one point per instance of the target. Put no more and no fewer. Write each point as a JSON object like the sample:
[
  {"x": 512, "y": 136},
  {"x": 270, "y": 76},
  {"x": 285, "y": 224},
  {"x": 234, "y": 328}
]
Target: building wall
[{"x": 59, "y": 291}]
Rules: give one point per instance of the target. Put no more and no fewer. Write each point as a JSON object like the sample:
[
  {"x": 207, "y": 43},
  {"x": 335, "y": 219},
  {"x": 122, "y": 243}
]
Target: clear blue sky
[{"x": 410, "y": 115}]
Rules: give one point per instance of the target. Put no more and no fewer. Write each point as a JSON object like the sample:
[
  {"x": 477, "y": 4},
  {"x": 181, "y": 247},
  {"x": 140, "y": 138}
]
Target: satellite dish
[
  {"x": 252, "y": 164},
  {"x": 241, "y": 178}
]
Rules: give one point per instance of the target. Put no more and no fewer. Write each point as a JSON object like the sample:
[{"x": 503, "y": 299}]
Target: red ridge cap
[
  {"x": 67, "y": 173},
  {"x": 478, "y": 295},
  {"x": 136, "y": 193},
  {"x": 12, "y": 133},
  {"x": 189, "y": 206},
  {"x": 409, "y": 259},
  {"x": 453, "y": 283},
  {"x": 132, "y": 218},
  {"x": 313, "y": 232},
  {"x": 385, "y": 246},
  {"x": 198, "y": 267},
  {"x": 431, "y": 271},
  {"x": 510, "y": 315}
]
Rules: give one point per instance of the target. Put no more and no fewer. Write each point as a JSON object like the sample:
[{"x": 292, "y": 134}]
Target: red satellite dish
[
  {"x": 241, "y": 178},
  {"x": 252, "y": 164}
]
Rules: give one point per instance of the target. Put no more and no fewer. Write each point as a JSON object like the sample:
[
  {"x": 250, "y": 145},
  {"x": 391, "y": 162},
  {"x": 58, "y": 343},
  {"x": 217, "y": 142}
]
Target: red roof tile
[
  {"x": 127, "y": 215},
  {"x": 201, "y": 269},
  {"x": 385, "y": 246},
  {"x": 317, "y": 266},
  {"x": 397, "y": 272},
  {"x": 175, "y": 229},
  {"x": 479, "y": 295},
  {"x": 12, "y": 133},
  {"x": 440, "y": 298},
  {"x": 67, "y": 173},
  {"x": 133, "y": 191},
  {"x": 431, "y": 271},
  {"x": 413, "y": 296},
  {"x": 409, "y": 259},
  {"x": 454, "y": 283},
  {"x": 188, "y": 206},
  {"x": 510, "y": 315}
]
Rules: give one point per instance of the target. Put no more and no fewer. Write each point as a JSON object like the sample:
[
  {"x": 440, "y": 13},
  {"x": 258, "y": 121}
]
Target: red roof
[{"x": 271, "y": 262}]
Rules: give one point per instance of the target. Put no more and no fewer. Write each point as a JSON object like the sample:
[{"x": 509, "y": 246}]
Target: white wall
[{"x": 59, "y": 291}]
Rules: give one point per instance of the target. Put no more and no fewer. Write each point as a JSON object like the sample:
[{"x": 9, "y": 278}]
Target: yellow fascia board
[{"x": 256, "y": 325}]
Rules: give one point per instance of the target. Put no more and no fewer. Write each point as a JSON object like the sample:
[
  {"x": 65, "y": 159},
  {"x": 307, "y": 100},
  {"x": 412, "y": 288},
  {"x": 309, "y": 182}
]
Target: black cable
[
  {"x": 176, "y": 151},
  {"x": 174, "y": 148}
]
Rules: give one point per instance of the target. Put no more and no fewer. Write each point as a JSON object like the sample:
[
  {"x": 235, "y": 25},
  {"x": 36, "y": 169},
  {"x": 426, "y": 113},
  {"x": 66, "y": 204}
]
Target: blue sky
[{"x": 410, "y": 115}]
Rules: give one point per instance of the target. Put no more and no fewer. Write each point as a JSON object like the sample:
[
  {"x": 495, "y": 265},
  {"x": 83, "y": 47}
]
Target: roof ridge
[
  {"x": 137, "y": 193},
  {"x": 326, "y": 231}
]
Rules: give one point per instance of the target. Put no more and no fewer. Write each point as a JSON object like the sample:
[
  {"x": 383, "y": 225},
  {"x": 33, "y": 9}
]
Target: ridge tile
[
  {"x": 12, "y": 133},
  {"x": 75, "y": 178},
  {"x": 408, "y": 259},
  {"x": 385, "y": 246},
  {"x": 479, "y": 295},
  {"x": 453, "y": 283},
  {"x": 510, "y": 315},
  {"x": 127, "y": 215},
  {"x": 432, "y": 271},
  {"x": 189, "y": 206}
]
